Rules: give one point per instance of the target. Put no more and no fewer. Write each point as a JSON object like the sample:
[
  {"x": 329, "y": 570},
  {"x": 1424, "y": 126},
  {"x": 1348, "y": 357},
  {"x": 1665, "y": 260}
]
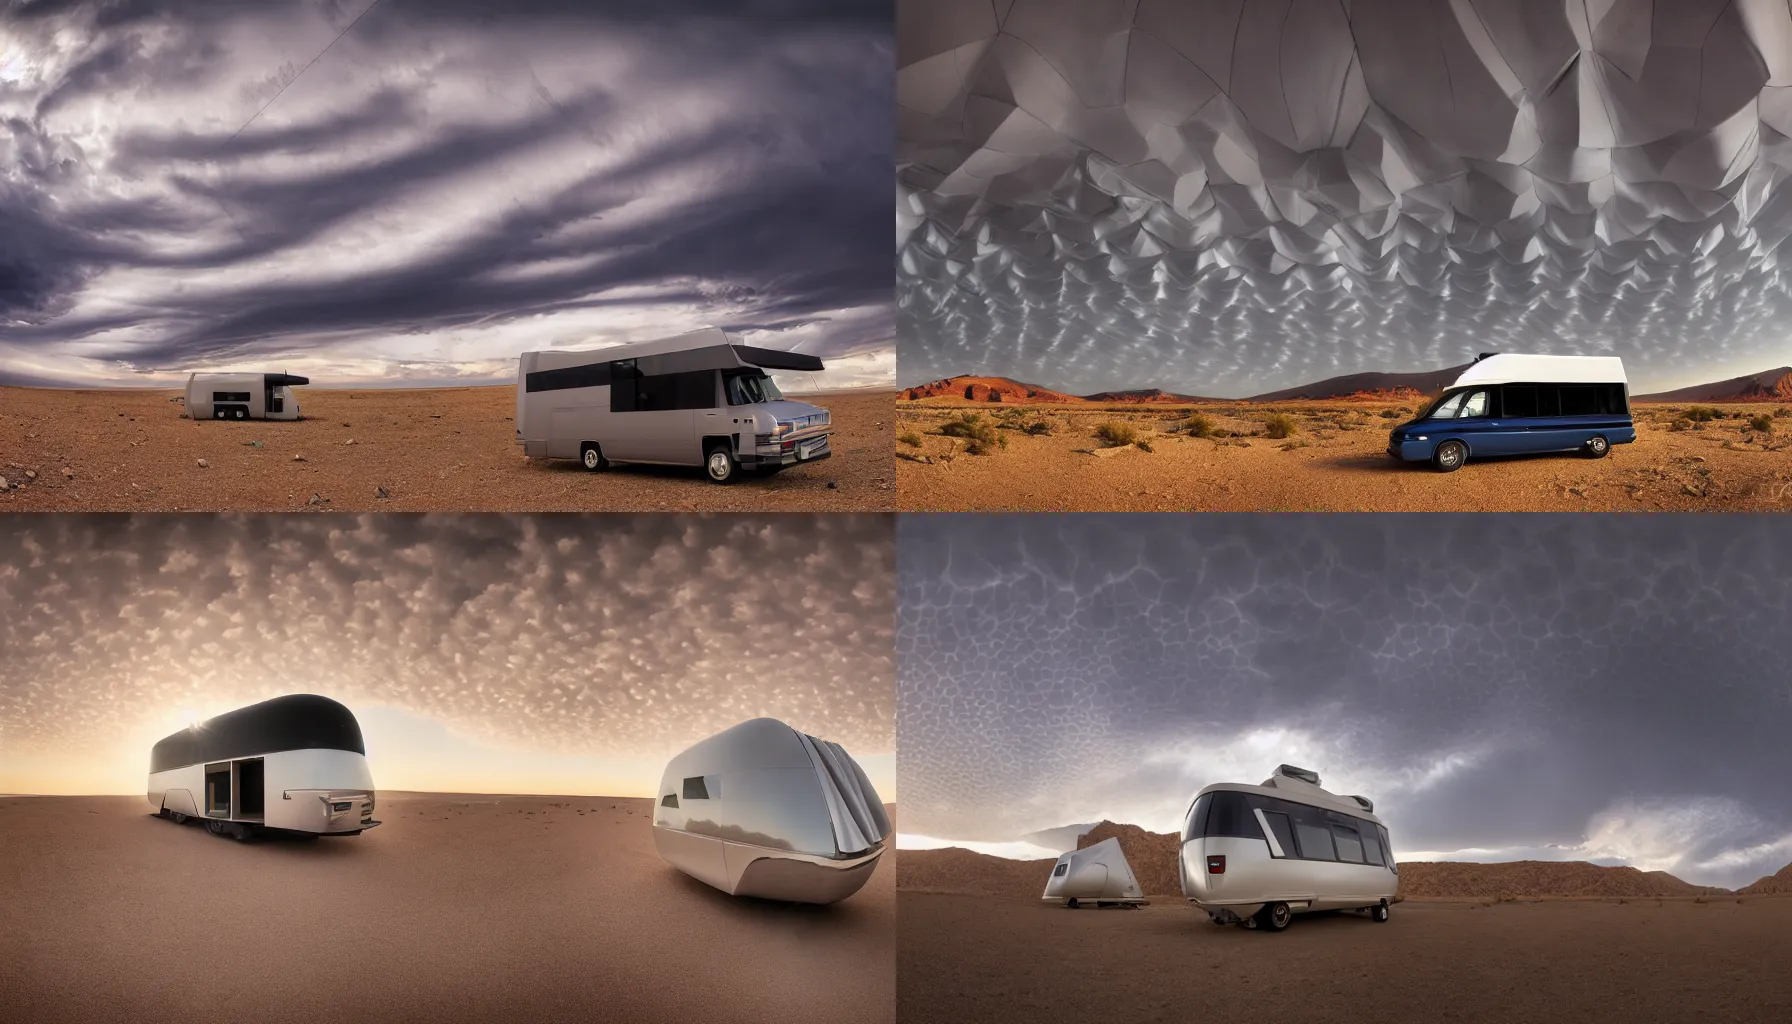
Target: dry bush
[
  {"x": 1279, "y": 425},
  {"x": 1762, "y": 423},
  {"x": 980, "y": 436},
  {"x": 1198, "y": 425},
  {"x": 1114, "y": 434},
  {"x": 1680, "y": 424},
  {"x": 910, "y": 438}
]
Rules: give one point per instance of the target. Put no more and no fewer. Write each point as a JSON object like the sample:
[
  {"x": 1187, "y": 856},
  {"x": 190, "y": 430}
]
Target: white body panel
[
  {"x": 1097, "y": 873},
  {"x": 1518, "y": 368},
  {"x": 299, "y": 791},
  {"x": 202, "y": 387}
]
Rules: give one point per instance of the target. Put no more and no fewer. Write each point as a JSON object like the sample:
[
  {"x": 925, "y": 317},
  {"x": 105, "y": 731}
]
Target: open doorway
[
  {"x": 217, "y": 790},
  {"x": 251, "y": 778}
]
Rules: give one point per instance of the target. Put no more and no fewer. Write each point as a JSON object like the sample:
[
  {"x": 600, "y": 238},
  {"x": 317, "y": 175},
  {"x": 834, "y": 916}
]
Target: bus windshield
[{"x": 751, "y": 389}]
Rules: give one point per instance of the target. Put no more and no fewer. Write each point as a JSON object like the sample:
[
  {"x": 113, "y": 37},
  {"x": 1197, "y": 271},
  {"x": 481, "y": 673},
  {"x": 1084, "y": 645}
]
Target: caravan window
[
  {"x": 1283, "y": 827},
  {"x": 623, "y": 380},
  {"x": 1519, "y": 401},
  {"x": 1230, "y": 815},
  {"x": 1058, "y": 872},
  {"x": 694, "y": 789},
  {"x": 1312, "y": 832},
  {"x": 1349, "y": 843},
  {"x": 669, "y": 800},
  {"x": 1197, "y": 818},
  {"x": 1580, "y": 400},
  {"x": 1371, "y": 844},
  {"x": 663, "y": 392},
  {"x": 751, "y": 389}
]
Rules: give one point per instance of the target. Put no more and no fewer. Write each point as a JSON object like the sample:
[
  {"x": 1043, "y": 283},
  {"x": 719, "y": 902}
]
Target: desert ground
[
  {"x": 439, "y": 449},
  {"x": 988, "y": 958},
  {"x": 456, "y": 908},
  {"x": 1331, "y": 457}
]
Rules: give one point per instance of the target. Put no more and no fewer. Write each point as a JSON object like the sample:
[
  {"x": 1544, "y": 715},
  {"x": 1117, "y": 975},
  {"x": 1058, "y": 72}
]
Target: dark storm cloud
[
  {"x": 1229, "y": 198},
  {"x": 445, "y": 182},
  {"x": 1595, "y": 687},
  {"x": 618, "y": 635}
]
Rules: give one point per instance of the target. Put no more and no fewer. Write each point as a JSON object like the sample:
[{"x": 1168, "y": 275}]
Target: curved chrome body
[
  {"x": 764, "y": 810},
  {"x": 1098, "y": 873},
  {"x": 1273, "y": 848}
]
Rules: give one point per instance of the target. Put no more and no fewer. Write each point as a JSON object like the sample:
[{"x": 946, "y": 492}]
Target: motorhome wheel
[
  {"x": 241, "y": 414},
  {"x": 241, "y": 833},
  {"x": 1073, "y": 904},
  {"x": 1597, "y": 447},
  {"x": 593, "y": 457},
  {"x": 218, "y": 414},
  {"x": 1275, "y": 917},
  {"x": 1379, "y": 912},
  {"x": 1449, "y": 456},
  {"x": 179, "y": 818},
  {"x": 719, "y": 463},
  {"x": 216, "y": 828}
]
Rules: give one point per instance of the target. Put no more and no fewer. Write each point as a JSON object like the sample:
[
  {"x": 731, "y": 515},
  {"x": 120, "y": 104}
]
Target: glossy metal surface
[
  {"x": 1098, "y": 872},
  {"x": 764, "y": 810}
]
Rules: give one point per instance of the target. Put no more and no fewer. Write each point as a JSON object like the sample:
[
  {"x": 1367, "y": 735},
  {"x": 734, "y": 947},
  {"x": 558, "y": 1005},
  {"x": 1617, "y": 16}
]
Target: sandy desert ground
[
  {"x": 457, "y": 908},
  {"x": 1333, "y": 460},
  {"x": 985, "y": 958},
  {"x": 442, "y": 449}
]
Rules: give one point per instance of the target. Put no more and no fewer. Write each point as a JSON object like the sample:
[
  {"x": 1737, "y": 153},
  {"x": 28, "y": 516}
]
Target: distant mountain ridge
[{"x": 1766, "y": 386}]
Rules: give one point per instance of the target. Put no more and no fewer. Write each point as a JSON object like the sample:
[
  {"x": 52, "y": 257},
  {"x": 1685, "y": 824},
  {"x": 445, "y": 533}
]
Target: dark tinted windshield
[{"x": 751, "y": 389}]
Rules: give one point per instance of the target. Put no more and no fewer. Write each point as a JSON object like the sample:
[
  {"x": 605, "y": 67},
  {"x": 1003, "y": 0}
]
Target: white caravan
[
  {"x": 764, "y": 810},
  {"x": 1097, "y": 874},
  {"x": 1256, "y": 855},
  {"x": 697, "y": 399},
  {"x": 242, "y": 396},
  {"x": 293, "y": 765}
]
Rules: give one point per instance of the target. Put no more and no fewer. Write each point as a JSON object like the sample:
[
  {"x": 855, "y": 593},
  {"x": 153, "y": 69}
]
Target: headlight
[{"x": 781, "y": 429}]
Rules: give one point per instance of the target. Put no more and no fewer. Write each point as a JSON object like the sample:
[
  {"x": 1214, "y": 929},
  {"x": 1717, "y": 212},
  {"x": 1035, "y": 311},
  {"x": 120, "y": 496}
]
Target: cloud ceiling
[
  {"x": 611, "y": 635},
  {"x": 1523, "y": 686},
  {"x": 1230, "y": 196},
  {"x": 418, "y": 190}
]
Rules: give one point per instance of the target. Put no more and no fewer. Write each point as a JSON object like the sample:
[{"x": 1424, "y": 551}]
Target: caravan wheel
[
  {"x": 1449, "y": 456},
  {"x": 218, "y": 414},
  {"x": 179, "y": 818},
  {"x": 1274, "y": 917},
  {"x": 1073, "y": 904},
  {"x": 1596, "y": 447},
  {"x": 215, "y": 827},
  {"x": 241, "y": 414},
  {"x": 242, "y": 833},
  {"x": 592, "y": 457},
  {"x": 1378, "y": 912},
  {"x": 720, "y": 464}
]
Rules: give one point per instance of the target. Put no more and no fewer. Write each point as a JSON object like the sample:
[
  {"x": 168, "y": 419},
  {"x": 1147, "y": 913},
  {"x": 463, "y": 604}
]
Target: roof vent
[
  {"x": 1485, "y": 355},
  {"x": 1306, "y": 775},
  {"x": 1367, "y": 804}
]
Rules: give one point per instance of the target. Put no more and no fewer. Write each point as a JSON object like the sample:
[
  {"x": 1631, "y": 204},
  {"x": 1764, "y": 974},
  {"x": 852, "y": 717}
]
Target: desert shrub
[
  {"x": 1114, "y": 434},
  {"x": 1389, "y": 414},
  {"x": 1279, "y": 425},
  {"x": 1680, "y": 424},
  {"x": 1038, "y": 428},
  {"x": 1198, "y": 425},
  {"x": 1782, "y": 411},
  {"x": 1702, "y": 413},
  {"x": 980, "y": 436},
  {"x": 910, "y": 438},
  {"x": 1763, "y": 423}
]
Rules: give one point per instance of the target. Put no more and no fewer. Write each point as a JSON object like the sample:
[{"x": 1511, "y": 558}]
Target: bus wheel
[
  {"x": 720, "y": 464},
  {"x": 215, "y": 827},
  {"x": 1596, "y": 447},
  {"x": 242, "y": 414},
  {"x": 1274, "y": 917},
  {"x": 242, "y": 833},
  {"x": 1449, "y": 456},
  {"x": 1378, "y": 913},
  {"x": 592, "y": 457},
  {"x": 1073, "y": 904},
  {"x": 218, "y": 414},
  {"x": 179, "y": 818}
]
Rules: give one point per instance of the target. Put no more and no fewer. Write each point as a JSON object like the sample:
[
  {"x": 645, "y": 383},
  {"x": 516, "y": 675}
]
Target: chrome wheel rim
[
  {"x": 1449, "y": 456},
  {"x": 718, "y": 465},
  {"x": 591, "y": 458}
]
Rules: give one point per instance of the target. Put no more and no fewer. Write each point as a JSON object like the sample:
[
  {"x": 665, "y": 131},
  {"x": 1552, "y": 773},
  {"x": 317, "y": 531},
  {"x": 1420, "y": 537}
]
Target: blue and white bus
[{"x": 1511, "y": 404}]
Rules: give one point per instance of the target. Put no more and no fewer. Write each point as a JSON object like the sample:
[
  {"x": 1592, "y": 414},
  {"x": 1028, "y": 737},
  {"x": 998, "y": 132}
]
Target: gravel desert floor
[
  {"x": 456, "y": 908},
  {"x": 1075, "y": 458},
  {"x": 973, "y": 959},
  {"x": 439, "y": 449}
]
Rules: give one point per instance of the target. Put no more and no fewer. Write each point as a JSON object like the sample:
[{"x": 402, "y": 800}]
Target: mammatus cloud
[
  {"x": 622, "y": 636},
  {"x": 1586, "y": 688},
  {"x": 1223, "y": 197},
  {"x": 417, "y": 191}
]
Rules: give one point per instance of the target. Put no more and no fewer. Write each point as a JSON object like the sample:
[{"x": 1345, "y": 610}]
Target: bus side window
[
  {"x": 622, "y": 385},
  {"x": 1519, "y": 401},
  {"x": 1474, "y": 406}
]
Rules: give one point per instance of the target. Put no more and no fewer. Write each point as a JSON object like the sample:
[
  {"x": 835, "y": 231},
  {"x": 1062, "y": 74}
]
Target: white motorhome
[
  {"x": 764, "y": 810},
  {"x": 698, "y": 399},
  {"x": 1098, "y": 874},
  {"x": 1256, "y": 855},
  {"x": 293, "y": 765},
  {"x": 242, "y": 396},
  {"x": 1512, "y": 403}
]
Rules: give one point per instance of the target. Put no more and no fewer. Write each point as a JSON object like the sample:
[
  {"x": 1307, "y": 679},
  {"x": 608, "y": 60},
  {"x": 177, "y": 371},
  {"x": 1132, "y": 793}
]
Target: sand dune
[
  {"x": 1778, "y": 883},
  {"x": 1530, "y": 879},
  {"x": 457, "y": 908}
]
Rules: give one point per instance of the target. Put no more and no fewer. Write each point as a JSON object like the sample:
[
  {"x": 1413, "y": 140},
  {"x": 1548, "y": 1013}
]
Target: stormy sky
[
  {"x": 550, "y": 654},
  {"x": 1503, "y": 687},
  {"x": 414, "y": 191},
  {"x": 1227, "y": 198}
]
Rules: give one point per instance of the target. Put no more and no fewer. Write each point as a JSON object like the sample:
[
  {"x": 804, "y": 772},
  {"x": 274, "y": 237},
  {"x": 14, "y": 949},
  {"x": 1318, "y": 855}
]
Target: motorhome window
[
  {"x": 1580, "y": 400},
  {"x": 1058, "y": 872},
  {"x": 275, "y": 402},
  {"x": 1446, "y": 409},
  {"x": 694, "y": 789},
  {"x": 669, "y": 800},
  {"x": 230, "y": 396},
  {"x": 1197, "y": 818},
  {"x": 623, "y": 378},
  {"x": 1519, "y": 401},
  {"x": 1617, "y": 403},
  {"x": 1230, "y": 815},
  {"x": 1312, "y": 833},
  {"x": 1349, "y": 843},
  {"x": 1371, "y": 844},
  {"x": 751, "y": 389},
  {"x": 1283, "y": 829},
  {"x": 663, "y": 392}
]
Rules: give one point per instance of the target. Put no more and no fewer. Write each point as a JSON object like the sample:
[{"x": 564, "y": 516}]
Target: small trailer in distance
[
  {"x": 242, "y": 396},
  {"x": 697, "y": 399},
  {"x": 1098, "y": 874},
  {"x": 295, "y": 764}
]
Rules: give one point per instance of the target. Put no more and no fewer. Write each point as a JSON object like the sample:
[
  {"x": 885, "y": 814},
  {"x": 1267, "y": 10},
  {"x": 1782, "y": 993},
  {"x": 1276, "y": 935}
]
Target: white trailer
[
  {"x": 293, "y": 765},
  {"x": 697, "y": 399},
  {"x": 1098, "y": 874},
  {"x": 242, "y": 396},
  {"x": 1257, "y": 855},
  {"x": 764, "y": 810}
]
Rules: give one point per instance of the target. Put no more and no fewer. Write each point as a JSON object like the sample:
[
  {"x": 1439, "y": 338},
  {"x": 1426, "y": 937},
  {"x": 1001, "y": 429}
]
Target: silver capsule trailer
[
  {"x": 242, "y": 396},
  {"x": 293, "y": 765},
  {"x": 764, "y": 810},
  {"x": 697, "y": 399},
  {"x": 1257, "y": 855},
  {"x": 1098, "y": 874}
]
